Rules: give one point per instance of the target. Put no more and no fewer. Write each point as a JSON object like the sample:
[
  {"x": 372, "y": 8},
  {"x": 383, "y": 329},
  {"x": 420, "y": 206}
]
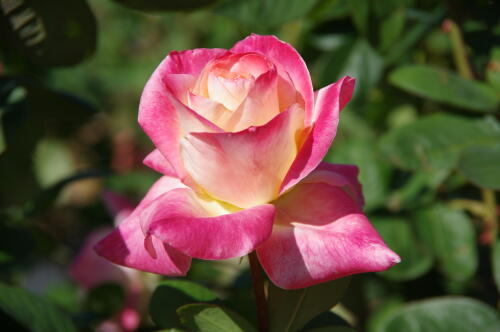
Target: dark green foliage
[{"x": 424, "y": 132}]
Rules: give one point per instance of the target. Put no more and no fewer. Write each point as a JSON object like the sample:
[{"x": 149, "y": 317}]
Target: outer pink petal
[
  {"x": 189, "y": 62},
  {"x": 340, "y": 175},
  {"x": 178, "y": 218},
  {"x": 128, "y": 246},
  {"x": 329, "y": 102},
  {"x": 244, "y": 168},
  {"x": 286, "y": 58},
  {"x": 157, "y": 161},
  {"x": 162, "y": 115},
  {"x": 179, "y": 85},
  {"x": 320, "y": 234}
]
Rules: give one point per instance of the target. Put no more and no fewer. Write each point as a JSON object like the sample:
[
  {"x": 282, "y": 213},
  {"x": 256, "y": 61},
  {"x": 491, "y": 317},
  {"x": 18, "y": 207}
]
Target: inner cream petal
[
  {"x": 230, "y": 92},
  {"x": 209, "y": 109}
]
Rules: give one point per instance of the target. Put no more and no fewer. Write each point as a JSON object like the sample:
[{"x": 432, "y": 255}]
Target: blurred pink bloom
[
  {"x": 89, "y": 270},
  {"x": 240, "y": 136}
]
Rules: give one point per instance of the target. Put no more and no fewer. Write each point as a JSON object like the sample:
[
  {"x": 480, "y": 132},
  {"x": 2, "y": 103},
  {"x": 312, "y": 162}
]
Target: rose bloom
[{"x": 240, "y": 137}]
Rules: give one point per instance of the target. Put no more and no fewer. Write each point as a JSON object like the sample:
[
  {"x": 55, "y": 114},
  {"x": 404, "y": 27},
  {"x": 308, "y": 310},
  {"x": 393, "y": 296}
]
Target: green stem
[
  {"x": 459, "y": 50},
  {"x": 476, "y": 208},
  {"x": 258, "y": 290},
  {"x": 490, "y": 218}
]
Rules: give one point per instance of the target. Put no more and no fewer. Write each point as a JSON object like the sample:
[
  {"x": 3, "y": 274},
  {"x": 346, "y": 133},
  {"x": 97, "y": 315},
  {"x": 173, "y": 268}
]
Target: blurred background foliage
[{"x": 423, "y": 127}]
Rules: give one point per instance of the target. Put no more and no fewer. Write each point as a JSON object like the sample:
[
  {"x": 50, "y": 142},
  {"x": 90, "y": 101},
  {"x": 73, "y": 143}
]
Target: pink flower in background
[
  {"x": 240, "y": 137},
  {"x": 89, "y": 270}
]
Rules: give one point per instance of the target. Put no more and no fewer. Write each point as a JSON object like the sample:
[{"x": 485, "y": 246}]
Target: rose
[{"x": 240, "y": 136}]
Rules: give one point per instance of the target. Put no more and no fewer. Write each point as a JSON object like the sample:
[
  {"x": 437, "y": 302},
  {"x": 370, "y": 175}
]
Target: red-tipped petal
[
  {"x": 321, "y": 234},
  {"x": 329, "y": 101},
  {"x": 128, "y": 246},
  {"x": 203, "y": 228},
  {"x": 157, "y": 161},
  {"x": 162, "y": 114}
]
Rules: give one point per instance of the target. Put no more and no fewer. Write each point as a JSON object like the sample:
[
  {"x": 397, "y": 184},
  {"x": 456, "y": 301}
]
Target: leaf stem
[{"x": 258, "y": 291}]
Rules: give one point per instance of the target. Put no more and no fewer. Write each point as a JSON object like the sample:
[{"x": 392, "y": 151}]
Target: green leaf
[
  {"x": 266, "y": 13},
  {"x": 493, "y": 70},
  {"x": 360, "y": 10},
  {"x": 391, "y": 29},
  {"x": 165, "y": 5},
  {"x": 457, "y": 314},
  {"x": 289, "y": 310},
  {"x": 55, "y": 114},
  {"x": 105, "y": 300},
  {"x": 171, "y": 294},
  {"x": 65, "y": 294},
  {"x": 53, "y": 161},
  {"x": 32, "y": 311},
  {"x": 438, "y": 42},
  {"x": 403, "y": 48},
  {"x": 434, "y": 143},
  {"x": 382, "y": 312},
  {"x": 49, "y": 33},
  {"x": 328, "y": 318},
  {"x": 135, "y": 182},
  {"x": 384, "y": 8},
  {"x": 451, "y": 237},
  {"x": 5, "y": 257},
  {"x": 420, "y": 189},
  {"x": 374, "y": 172},
  {"x": 444, "y": 86},
  {"x": 495, "y": 262},
  {"x": 333, "y": 329},
  {"x": 2, "y": 138},
  {"x": 211, "y": 318},
  {"x": 10, "y": 94},
  {"x": 398, "y": 235},
  {"x": 355, "y": 58},
  {"x": 481, "y": 165}
]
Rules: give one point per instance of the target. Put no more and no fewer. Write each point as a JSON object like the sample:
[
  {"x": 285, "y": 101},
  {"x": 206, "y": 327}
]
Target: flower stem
[{"x": 258, "y": 291}]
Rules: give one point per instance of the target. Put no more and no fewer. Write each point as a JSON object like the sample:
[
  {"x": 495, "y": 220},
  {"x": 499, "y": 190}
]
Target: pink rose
[{"x": 240, "y": 136}]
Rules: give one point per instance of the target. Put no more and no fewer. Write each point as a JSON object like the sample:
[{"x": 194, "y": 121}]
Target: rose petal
[
  {"x": 244, "y": 168},
  {"x": 340, "y": 175},
  {"x": 259, "y": 107},
  {"x": 320, "y": 234},
  {"x": 157, "y": 161},
  {"x": 189, "y": 62},
  {"x": 128, "y": 246},
  {"x": 210, "y": 109},
  {"x": 179, "y": 85},
  {"x": 251, "y": 64},
  {"x": 165, "y": 119},
  {"x": 329, "y": 102},
  {"x": 203, "y": 228},
  {"x": 286, "y": 58},
  {"x": 229, "y": 92}
]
